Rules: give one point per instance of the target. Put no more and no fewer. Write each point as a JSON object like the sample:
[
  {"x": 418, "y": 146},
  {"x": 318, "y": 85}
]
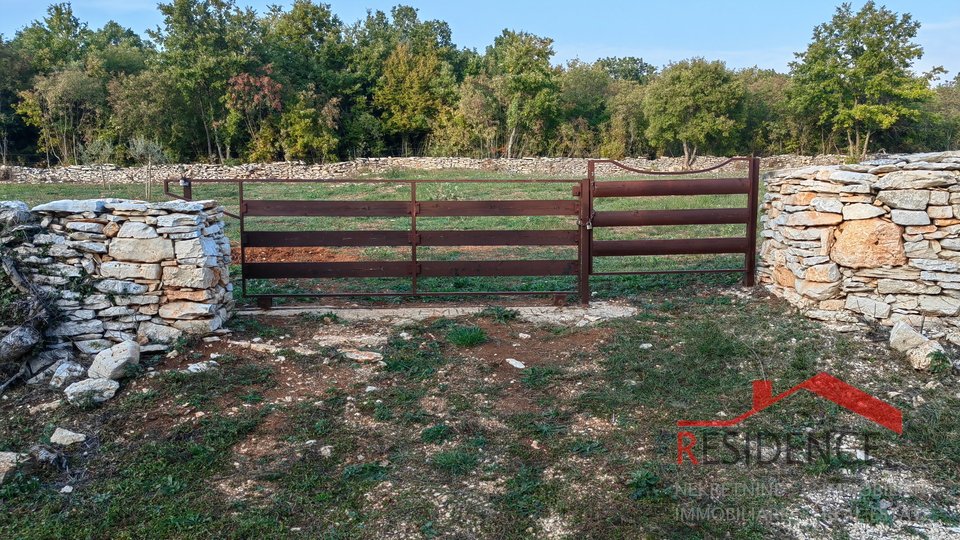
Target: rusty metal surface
[{"x": 645, "y": 218}]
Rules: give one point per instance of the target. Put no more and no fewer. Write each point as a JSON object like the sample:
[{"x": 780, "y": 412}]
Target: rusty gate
[{"x": 580, "y": 236}]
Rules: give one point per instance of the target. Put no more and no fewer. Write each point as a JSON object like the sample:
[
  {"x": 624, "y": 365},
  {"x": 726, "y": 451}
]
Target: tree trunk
[
  {"x": 513, "y": 134},
  {"x": 689, "y": 156}
]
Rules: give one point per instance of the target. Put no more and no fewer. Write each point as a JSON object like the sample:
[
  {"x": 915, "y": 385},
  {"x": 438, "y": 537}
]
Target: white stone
[
  {"x": 361, "y": 356},
  {"x": 198, "y": 326},
  {"x": 935, "y": 265},
  {"x": 112, "y": 363},
  {"x": 71, "y": 206},
  {"x": 920, "y": 356},
  {"x": 64, "y": 373},
  {"x": 896, "y": 286},
  {"x": 201, "y": 367},
  {"x": 516, "y": 363},
  {"x": 75, "y": 328},
  {"x": 862, "y": 211},
  {"x": 113, "y": 286},
  {"x": 916, "y": 180},
  {"x": 150, "y": 250},
  {"x": 903, "y": 337},
  {"x": 97, "y": 390},
  {"x": 158, "y": 332},
  {"x": 189, "y": 276},
  {"x": 179, "y": 206},
  {"x": 909, "y": 217},
  {"x": 179, "y": 220},
  {"x": 86, "y": 226},
  {"x": 125, "y": 270},
  {"x": 135, "y": 229},
  {"x": 868, "y": 307},
  {"x": 905, "y": 199},
  {"x": 827, "y": 204},
  {"x": 846, "y": 177},
  {"x": 187, "y": 310},
  {"x": 938, "y": 305},
  {"x": 8, "y": 464},
  {"x": 65, "y": 437},
  {"x": 196, "y": 248}
]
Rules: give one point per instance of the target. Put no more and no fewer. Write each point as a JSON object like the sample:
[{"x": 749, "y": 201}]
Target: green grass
[{"x": 467, "y": 336}]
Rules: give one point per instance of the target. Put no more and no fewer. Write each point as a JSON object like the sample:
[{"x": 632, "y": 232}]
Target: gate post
[
  {"x": 586, "y": 234},
  {"x": 749, "y": 277}
]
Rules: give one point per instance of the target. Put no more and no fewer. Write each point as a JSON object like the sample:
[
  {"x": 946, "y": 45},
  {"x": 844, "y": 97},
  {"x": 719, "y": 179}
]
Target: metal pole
[{"x": 749, "y": 278}]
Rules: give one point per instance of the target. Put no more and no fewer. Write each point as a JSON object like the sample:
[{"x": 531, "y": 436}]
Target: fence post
[
  {"x": 586, "y": 237},
  {"x": 749, "y": 277}
]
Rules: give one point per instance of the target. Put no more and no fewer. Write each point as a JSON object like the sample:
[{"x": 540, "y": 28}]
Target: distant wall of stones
[
  {"x": 570, "y": 167},
  {"x": 878, "y": 240},
  {"x": 122, "y": 270}
]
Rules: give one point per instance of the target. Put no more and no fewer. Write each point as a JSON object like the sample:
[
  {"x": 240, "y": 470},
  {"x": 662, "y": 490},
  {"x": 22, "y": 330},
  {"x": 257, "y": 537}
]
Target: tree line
[{"x": 219, "y": 83}]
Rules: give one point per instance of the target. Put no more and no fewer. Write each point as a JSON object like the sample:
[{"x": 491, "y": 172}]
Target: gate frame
[{"x": 586, "y": 190}]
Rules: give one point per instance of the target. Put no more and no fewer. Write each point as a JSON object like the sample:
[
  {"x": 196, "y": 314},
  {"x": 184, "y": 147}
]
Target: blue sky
[{"x": 743, "y": 33}]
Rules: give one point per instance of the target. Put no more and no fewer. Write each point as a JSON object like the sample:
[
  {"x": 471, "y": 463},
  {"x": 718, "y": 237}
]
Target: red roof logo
[{"x": 826, "y": 386}]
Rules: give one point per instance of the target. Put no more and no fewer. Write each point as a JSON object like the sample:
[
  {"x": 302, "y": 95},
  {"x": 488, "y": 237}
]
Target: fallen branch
[{"x": 21, "y": 373}]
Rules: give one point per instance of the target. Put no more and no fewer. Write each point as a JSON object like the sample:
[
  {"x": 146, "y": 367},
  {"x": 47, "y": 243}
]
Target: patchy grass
[{"x": 447, "y": 441}]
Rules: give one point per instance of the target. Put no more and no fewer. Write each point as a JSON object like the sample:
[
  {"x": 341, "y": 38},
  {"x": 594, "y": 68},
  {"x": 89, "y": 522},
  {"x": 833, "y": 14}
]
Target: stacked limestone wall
[
  {"x": 123, "y": 270},
  {"x": 568, "y": 167},
  {"x": 879, "y": 240}
]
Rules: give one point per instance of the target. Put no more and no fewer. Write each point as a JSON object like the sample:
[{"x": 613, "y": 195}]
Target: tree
[
  {"x": 628, "y": 68},
  {"x": 694, "y": 103},
  {"x": 404, "y": 93},
  {"x": 855, "y": 77},
  {"x": 54, "y": 42},
  {"x": 146, "y": 152}
]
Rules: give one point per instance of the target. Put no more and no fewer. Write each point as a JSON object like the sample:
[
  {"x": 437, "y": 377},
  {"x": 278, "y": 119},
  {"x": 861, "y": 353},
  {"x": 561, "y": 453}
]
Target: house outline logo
[{"x": 825, "y": 386}]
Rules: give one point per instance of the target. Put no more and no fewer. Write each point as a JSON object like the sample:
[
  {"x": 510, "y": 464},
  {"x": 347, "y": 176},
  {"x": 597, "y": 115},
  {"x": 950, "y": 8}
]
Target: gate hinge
[
  {"x": 415, "y": 269},
  {"x": 576, "y": 190},
  {"x": 414, "y": 208},
  {"x": 243, "y": 208}
]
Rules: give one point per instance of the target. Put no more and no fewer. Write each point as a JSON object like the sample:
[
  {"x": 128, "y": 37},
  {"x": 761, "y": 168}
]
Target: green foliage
[
  {"x": 644, "y": 484},
  {"x": 436, "y": 434},
  {"x": 500, "y": 314},
  {"x": 855, "y": 79},
  {"x": 455, "y": 462},
  {"x": 867, "y": 508},
  {"x": 469, "y": 336}
]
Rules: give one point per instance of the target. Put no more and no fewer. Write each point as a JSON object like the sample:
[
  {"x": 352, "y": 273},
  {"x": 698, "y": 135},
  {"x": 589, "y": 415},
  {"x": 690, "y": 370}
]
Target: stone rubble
[{"x": 876, "y": 242}]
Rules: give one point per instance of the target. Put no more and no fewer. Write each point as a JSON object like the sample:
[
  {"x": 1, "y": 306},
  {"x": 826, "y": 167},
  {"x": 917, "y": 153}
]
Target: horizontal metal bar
[
  {"x": 699, "y": 216},
  {"x": 371, "y": 181},
  {"x": 268, "y": 239},
  {"x": 498, "y": 238},
  {"x": 284, "y": 270},
  {"x": 326, "y": 208},
  {"x": 693, "y": 246},
  {"x": 497, "y": 268},
  {"x": 497, "y": 208},
  {"x": 650, "y": 272},
  {"x": 593, "y": 162},
  {"x": 665, "y": 188}
]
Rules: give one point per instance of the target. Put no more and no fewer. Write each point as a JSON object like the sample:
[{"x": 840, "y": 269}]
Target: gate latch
[{"x": 589, "y": 223}]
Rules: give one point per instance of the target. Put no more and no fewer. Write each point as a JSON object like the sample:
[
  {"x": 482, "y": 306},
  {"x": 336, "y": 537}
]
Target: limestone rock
[
  {"x": 938, "y": 305},
  {"x": 825, "y": 273},
  {"x": 869, "y": 243},
  {"x": 198, "y": 326},
  {"x": 364, "y": 357},
  {"x": 783, "y": 276},
  {"x": 97, "y": 390},
  {"x": 149, "y": 331},
  {"x": 150, "y": 250},
  {"x": 85, "y": 226},
  {"x": 861, "y": 211},
  {"x": 64, "y": 373},
  {"x": 846, "y": 177},
  {"x": 124, "y": 270},
  {"x": 113, "y": 286},
  {"x": 179, "y": 220},
  {"x": 920, "y": 356},
  {"x": 827, "y": 204},
  {"x": 9, "y": 461},
  {"x": 916, "y": 180},
  {"x": 897, "y": 286},
  {"x": 135, "y": 229},
  {"x": 935, "y": 265},
  {"x": 909, "y": 217},
  {"x": 72, "y": 206},
  {"x": 903, "y": 337},
  {"x": 197, "y": 248},
  {"x": 868, "y": 307},
  {"x": 112, "y": 363},
  {"x": 815, "y": 290},
  {"x": 180, "y": 206},
  {"x": 904, "y": 199},
  {"x": 187, "y": 310},
  {"x": 76, "y": 328},
  {"x": 813, "y": 219},
  {"x": 65, "y": 437},
  {"x": 189, "y": 276}
]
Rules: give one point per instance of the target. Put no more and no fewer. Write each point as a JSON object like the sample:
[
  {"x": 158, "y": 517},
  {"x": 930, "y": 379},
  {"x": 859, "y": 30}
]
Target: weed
[
  {"x": 867, "y": 507},
  {"x": 537, "y": 377},
  {"x": 469, "y": 336},
  {"x": 436, "y": 434},
  {"x": 500, "y": 314},
  {"x": 323, "y": 318},
  {"x": 587, "y": 448},
  {"x": 547, "y": 430},
  {"x": 368, "y": 472},
  {"x": 644, "y": 484},
  {"x": 945, "y": 516},
  {"x": 456, "y": 462},
  {"x": 939, "y": 363}
]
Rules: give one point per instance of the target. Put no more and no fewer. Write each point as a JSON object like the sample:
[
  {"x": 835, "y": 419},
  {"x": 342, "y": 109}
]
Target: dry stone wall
[
  {"x": 129, "y": 271},
  {"x": 876, "y": 241},
  {"x": 568, "y": 167}
]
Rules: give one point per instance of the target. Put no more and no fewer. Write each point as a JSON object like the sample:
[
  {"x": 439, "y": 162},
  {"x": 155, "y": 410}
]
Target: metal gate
[{"x": 580, "y": 236}]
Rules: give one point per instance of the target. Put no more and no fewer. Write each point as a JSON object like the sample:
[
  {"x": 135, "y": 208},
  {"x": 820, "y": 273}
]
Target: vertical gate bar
[
  {"x": 749, "y": 277},
  {"x": 243, "y": 257},
  {"x": 413, "y": 233},
  {"x": 585, "y": 245}
]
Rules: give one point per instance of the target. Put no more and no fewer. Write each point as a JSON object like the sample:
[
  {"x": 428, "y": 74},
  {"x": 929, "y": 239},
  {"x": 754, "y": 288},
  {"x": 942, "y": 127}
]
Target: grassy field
[{"x": 449, "y": 441}]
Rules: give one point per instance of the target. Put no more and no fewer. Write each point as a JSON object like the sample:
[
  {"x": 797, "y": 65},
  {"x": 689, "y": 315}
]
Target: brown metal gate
[{"x": 585, "y": 191}]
